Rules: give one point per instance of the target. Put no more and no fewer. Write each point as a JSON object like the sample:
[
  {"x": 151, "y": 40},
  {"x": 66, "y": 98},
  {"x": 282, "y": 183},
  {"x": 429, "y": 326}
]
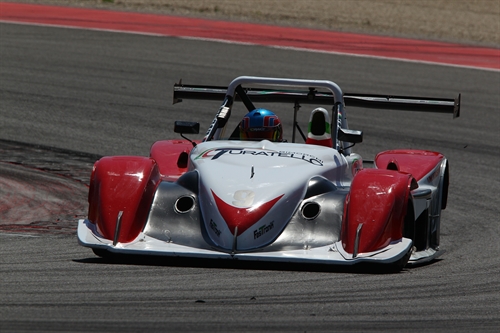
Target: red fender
[
  {"x": 171, "y": 157},
  {"x": 417, "y": 162},
  {"x": 122, "y": 183},
  {"x": 378, "y": 199}
]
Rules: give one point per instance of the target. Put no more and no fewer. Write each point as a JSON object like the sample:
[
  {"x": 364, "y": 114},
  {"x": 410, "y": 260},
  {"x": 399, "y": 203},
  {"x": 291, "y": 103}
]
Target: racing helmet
[{"x": 261, "y": 124}]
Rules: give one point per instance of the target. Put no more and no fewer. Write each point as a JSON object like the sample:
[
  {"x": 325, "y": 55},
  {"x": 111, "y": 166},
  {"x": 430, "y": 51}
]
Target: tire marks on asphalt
[{"x": 42, "y": 189}]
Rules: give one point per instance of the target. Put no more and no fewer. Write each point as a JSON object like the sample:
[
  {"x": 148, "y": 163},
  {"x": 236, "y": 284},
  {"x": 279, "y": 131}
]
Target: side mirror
[
  {"x": 348, "y": 135},
  {"x": 186, "y": 127}
]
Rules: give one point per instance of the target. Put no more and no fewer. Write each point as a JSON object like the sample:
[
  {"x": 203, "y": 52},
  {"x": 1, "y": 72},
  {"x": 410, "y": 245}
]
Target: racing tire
[
  {"x": 421, "y": 233},
  {"x": 409, "y": 222},
  {"x": 445, "y": 184}
]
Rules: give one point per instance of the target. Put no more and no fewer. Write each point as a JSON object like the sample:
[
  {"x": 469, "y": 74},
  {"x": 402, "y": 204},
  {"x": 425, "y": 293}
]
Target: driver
[{"x": 261, "y": 124}]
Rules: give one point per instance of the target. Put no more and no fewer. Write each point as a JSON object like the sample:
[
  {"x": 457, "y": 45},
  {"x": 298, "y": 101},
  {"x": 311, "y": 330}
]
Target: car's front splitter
[{"x": 332, "y": 254}]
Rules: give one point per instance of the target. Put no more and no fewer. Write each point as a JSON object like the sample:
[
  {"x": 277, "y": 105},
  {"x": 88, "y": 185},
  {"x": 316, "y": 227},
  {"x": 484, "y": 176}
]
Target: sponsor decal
[
  {"x": 213, "y": 226},
  {"x": 262, "y": 230},
  {"x": 214, "y": 154}
]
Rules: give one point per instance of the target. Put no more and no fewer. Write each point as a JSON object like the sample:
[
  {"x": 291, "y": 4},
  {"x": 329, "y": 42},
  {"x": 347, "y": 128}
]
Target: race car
[{"x": 246, "y": 193}]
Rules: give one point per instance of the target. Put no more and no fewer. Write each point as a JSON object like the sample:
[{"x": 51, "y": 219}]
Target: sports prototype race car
[{"x": 251, "y": 195}]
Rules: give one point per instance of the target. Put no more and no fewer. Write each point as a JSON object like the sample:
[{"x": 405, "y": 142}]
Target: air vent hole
[
  {"x": 184, "y": 204},
  {"x": 311, "y": 210}
]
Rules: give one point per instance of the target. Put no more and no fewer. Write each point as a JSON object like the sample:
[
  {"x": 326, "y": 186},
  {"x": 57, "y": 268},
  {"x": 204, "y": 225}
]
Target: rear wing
[{"x": 312, "y": 96}]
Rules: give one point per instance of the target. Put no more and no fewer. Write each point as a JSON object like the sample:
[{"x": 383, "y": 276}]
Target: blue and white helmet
[{"x": 261, "y": 124}]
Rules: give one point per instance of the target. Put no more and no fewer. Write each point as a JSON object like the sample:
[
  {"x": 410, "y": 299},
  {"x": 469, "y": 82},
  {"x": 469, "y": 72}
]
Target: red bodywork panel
[
  {"x": 378, "y": 199},
  {"x": 122, "y": 183},
  {"x": 243, "y": 218},
  {"x": 324, "y": 142},
  {"x": 172, "y": 157},
  {"x": 416, "y": 162}
]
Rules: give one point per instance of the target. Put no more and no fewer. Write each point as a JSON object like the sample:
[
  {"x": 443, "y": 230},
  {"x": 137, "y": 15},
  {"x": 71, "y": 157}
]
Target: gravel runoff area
[{"x": 474, "y": 22}]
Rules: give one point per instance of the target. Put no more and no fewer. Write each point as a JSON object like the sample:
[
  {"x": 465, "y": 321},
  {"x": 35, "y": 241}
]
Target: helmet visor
[{"x": 261, "y": 133}]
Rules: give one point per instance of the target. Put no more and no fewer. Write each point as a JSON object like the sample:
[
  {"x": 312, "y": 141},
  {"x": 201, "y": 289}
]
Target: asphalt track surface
[
  {"x": 256, "y": 34},
  {"x": 103, "y": 93}
]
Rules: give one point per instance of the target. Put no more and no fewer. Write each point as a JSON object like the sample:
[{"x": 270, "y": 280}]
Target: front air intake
[
  {"x": 310, "y": 210},
  {"x": 184, "y": 204}
]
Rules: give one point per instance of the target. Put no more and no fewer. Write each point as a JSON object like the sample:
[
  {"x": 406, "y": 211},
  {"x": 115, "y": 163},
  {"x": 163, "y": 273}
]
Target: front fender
[
  {"x": 122, "y": 183},
  {"x": 416, "y": 162},
  {"x": 377, "y": 201}
]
